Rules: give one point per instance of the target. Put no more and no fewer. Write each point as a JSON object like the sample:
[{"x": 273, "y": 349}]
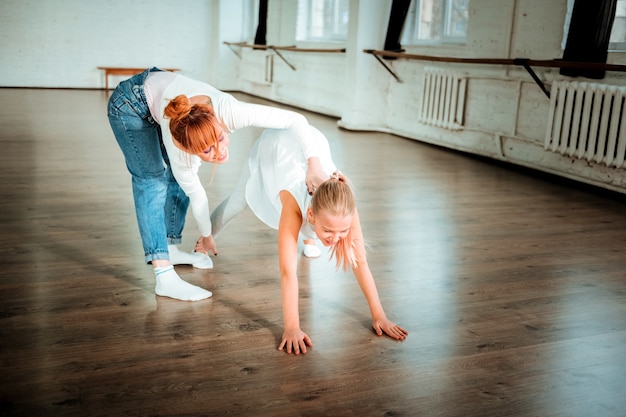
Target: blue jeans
[{"x": 160, "y": 203}]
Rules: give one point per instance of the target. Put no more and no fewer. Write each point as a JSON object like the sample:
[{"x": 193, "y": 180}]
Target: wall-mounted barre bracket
[
  {"x": 276, "y": 50},
  {"x": 296, "y": 49},
  {"x": 264, "y": 47},
  {"x": 524, "y": 62},
  {"x": 283, "y": 58},
  {"x": 371, "y": 51},
  {"x": 245, "y": 45},
  {"x": 234, "y": 51}
]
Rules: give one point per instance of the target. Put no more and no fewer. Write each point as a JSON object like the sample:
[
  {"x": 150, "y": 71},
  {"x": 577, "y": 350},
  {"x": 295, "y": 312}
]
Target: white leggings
[{"x": 234, "y": 204}]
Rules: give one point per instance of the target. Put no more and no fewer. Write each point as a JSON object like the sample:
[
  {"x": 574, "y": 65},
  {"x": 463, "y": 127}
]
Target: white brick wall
[{"x": 60, "y": 43}]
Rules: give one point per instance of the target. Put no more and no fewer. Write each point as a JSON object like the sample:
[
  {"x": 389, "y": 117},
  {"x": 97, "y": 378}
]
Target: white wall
[
  {"x": 506, "y": 113},
  {"x": 59, "y": 43}
]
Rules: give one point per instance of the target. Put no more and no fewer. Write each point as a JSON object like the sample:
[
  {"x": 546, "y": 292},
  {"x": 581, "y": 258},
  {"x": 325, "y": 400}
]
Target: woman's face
[
  {"x": 330, "y": 228},
  {"x": 212, "y": 155}
]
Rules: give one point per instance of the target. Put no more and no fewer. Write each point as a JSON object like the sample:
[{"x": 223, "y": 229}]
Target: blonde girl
[{"x": 268, "y": 186}]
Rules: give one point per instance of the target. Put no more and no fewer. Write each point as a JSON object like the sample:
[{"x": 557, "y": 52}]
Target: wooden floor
[{"x": 512, "y": 287}]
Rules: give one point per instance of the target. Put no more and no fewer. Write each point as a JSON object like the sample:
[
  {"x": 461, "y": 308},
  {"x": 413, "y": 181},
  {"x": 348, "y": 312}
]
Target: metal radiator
[
  {"x": 587, "y": 121},
  {"x": 443, "y": 98}
]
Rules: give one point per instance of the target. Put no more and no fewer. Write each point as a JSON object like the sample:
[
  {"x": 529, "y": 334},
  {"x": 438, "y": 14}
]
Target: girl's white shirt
[
  {"x": 161, "y": 87},
  {"x": 277, "y": 164}
]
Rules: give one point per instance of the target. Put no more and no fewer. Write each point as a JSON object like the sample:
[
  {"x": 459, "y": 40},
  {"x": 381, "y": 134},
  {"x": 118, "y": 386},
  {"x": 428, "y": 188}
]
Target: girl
[
  {"x": 166, "y": 125},
  {"x": 269, "y": 185}
]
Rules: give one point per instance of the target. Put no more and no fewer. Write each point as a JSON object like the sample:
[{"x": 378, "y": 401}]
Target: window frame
[
  {"x": 615, "y": 47},
  {"x": 305, "y": 15},
  {"x": 618, "y": 46},
  {"x": 250, "y": 20},
  {"x": 410, "y": 32}
]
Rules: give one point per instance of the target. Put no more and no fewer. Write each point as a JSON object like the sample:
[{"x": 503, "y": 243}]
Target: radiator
[
  {"x": 587, "y": 121},
  {"x": 443, "y": 98}
]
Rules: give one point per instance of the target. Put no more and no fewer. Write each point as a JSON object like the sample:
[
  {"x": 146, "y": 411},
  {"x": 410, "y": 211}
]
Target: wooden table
[{"x": 124, "y": 71}]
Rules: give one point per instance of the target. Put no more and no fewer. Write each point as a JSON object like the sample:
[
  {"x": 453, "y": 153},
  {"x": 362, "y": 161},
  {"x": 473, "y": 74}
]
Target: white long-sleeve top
[{"x": 161, "y": 87}]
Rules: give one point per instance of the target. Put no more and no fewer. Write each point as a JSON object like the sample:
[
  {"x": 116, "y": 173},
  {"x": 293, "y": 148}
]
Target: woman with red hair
[{"x": 166, "y": 125}]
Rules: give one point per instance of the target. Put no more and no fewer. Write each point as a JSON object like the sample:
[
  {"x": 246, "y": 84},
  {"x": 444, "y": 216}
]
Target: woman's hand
[
  {"x": 389, "y": 328},
  {"x": 315, "y": 175},
  {"x": 206, "y": 244},
  {"x": 295, "y": 341}
]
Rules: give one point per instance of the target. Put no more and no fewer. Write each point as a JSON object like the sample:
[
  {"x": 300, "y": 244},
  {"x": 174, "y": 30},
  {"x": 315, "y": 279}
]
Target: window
[
  {"x": 250, "y": 20},
  {"x": 323, "y": 20},
  {"x": 617, "y": 40},
  {"x": 618, "y": 32},
  {"x": 435, "y": 22}
]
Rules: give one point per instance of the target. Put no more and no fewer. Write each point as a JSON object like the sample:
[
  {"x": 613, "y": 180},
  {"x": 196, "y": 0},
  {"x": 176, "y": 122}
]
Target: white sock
[
  {"x": 169, "y": 284},
  {"x": 198, "y": 260},
  {"x": 312, "y": 251}
]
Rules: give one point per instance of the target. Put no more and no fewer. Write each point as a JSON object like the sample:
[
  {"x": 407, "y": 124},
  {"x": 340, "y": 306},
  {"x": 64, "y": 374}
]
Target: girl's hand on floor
[
  {"x": 295, "y": 341},
  {"x": 389, "y": 328}
]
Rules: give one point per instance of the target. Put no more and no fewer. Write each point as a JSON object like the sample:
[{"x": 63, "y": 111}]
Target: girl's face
[
  {"x": 329, "y": 228},
  {"x": 212, "y": 155}
]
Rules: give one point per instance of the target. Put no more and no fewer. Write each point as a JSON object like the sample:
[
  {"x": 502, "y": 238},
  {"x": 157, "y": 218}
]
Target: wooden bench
[{"x": 124, "y": 71}]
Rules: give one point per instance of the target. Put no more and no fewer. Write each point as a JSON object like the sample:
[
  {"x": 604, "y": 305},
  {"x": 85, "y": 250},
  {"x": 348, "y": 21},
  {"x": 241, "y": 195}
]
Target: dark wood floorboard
[{"x": 512, "y": 287}]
